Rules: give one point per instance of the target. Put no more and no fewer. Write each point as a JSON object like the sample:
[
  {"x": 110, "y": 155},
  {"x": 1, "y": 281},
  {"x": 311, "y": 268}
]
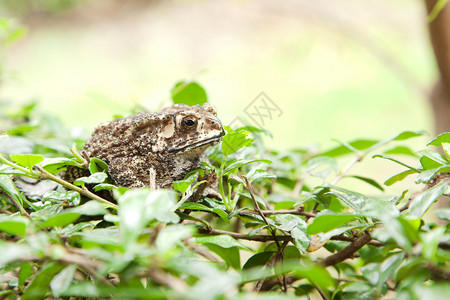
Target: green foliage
[
  {"x": 247, "y": 219},
  {"x": 190, "y": 93}
]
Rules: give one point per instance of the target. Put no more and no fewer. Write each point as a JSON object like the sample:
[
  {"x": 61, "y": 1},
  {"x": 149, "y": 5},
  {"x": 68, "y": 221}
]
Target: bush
[{"x": 294, "y": 238}]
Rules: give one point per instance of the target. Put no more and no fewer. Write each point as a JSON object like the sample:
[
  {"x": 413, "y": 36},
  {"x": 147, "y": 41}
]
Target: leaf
[
  {"x": 378, "y": 273},
  {"x": 258, "y": 174},
  {"x": 69, "y": 196},
  {"x": 430, "y": 242},
  {"x": 90, "y": 208},
  {"x": 233, "y": 141},
  {"x": 38, "y": 288},
  {"x": 138, "y": 207},
  {"x": 326, "y": 222},
  {"x": 56, "y": 165},
  {"x": 222, "y": 214},
  {"x": 399, "y": 177},
  {"x": 224, "y": 241},
  {"x": 369, "y": 181},
  {"x": 61, "y": 219},
  {"x": 242, "y": 162},
  {"x": 98, "y": 177},
  {"x": 343, "y": 150},
  {"x": 259, "y": 259},
  {"x": 230, "y": 255},
  {"x": 190, "y": 93},
  {"x": 297, "y": 228},
  {"x": 435, "y": 156},
  {"x": 423, "y": 201},
  {"x": 182, "y": 185},
  {"x": 14, "y": 225},
  {"x": 61, "y": 282},
  {"x": 401, "y": 150},
  {"x": 27, "y": 160},
  {"x": 327, "y": 163},
  {"x": 97, "y": 165},
  {"x": 316, "y": 274},
  {"x": 7, "y": 185},
  {"x": 11, "y": 252},
  {"x": 24, "y": 272},
  {"x": 408, "y": 134},
  {"x": 396, "y": 161},
  {"x": 171, "y": 235}
]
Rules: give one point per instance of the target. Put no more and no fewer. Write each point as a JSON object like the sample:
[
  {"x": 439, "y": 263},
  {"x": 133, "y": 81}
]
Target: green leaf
[
  {"x": 27, "y": 160},
  {"x": 242, "y": 162},
  {"x": 401, "y": 150},
  {"x": 378, "y": 273},
  {"x": 297, "y": 228},
  {"x": 316, "y": 274},
  {"x": 224, "y": 241},
  {"x": 233, "y": 141},
  {"x": 90, "y": 208},
  {"x": 38, "y": 288},
  {"x": 259, "y": 259},
  {"x": 15, "y": 225},
  {"x": 69, "y": 196},
  {"x": 97, "y": 165},
  {"x": 423, "y": 201},
  {"x": 343, "y": 150},
  {"x": 172, "y": 235},
  {"x": 399, "y": 177},
  {"x": 7, "y": 185},
  {"x": 430, "y": 242},
  {"x": 396, "y": 161},
  {"x": 25, "y": 271},
  {"x": 408, "y": 134},
  {"x": 435, "y": 156},
  {"x": 56, "y": 165},
  {"x": 98, "y": 177},
  {"x": 222, "y": 214},
  {"x": 327, "y": 222},
  {"x": 61, "y": 282},
  {"x": 182, "y": 185},
  {"x": 61, "y": 219},
  {"x": 190, "y": 93},
  {"x": 230, "y": 255},
  {"x": 369, "y": 181},
  {"x": 137, "y": 207},
  {"x": 11, "y": 252},
  {"x": 327, "y": 165}
]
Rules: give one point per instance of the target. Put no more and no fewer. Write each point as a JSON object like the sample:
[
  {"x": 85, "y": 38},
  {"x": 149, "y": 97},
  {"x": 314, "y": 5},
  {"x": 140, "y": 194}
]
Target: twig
[
  {"x": 347, "y": 168},
  {"x": 299, "y": 212},
  {"x": 203, "y": 252},
  {"x": 322, "y": 293},
  {"x": 348, "y": 251},
  {"x": 258, "y": 210},
  {"x": 46, "y": 175}
]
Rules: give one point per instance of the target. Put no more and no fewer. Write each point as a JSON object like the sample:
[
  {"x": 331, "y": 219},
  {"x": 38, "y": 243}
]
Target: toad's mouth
[{"x": 182, "y": 147}]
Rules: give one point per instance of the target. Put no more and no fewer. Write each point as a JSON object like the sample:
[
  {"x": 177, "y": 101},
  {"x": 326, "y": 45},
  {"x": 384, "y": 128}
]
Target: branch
[
  {"x": 298, "y": 211},
  {"x": 46, "y": 175},
  {"x": 348, "y": 251}
]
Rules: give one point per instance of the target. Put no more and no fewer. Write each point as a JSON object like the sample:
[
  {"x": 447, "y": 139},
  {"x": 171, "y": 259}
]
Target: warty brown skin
[{"x": 171, "y": 143}]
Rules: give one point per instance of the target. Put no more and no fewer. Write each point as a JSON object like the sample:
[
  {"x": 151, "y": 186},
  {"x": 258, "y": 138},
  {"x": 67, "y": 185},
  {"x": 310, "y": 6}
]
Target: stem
[
  {"x": 27, "y": 172},
  {"x": 224, "y": 199},
  {"x": 347, "y": 168},
  {"x": 46, "y": 175}
]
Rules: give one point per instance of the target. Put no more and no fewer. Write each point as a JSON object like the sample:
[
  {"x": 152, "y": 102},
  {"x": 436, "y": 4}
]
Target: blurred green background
[{"x": 341, "y": 69}]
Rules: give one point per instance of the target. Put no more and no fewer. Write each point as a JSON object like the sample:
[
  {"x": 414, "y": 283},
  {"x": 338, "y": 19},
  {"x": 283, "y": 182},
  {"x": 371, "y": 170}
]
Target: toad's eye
[{"x": 189, "y": 123}]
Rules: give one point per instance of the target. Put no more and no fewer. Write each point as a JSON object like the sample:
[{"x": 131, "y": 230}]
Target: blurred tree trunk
[{"x": 440, "y": 39}]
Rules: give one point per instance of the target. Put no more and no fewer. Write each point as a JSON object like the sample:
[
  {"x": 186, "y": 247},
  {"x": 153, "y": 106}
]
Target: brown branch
[
  {"x": 258, "y": 210},
  {"x": 46, "y": 175},
  {"x": 348, "y": 251},
  {"x": 298, "y": 211}
]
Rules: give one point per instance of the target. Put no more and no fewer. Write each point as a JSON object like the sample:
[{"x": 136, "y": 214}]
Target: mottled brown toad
[{"x": 168, "y": 144}]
